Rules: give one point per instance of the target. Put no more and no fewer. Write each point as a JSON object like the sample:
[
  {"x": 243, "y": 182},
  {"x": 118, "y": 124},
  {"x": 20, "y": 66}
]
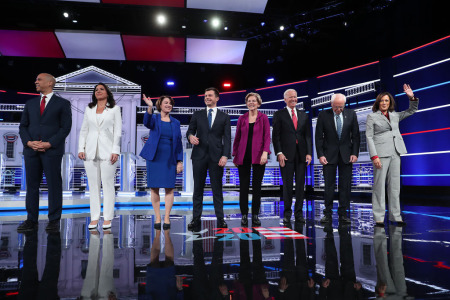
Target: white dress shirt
[
  {"x": 340, "y": 117},
  {"x": 214, "y": 114},
  {"x": 47, "y": 98}
]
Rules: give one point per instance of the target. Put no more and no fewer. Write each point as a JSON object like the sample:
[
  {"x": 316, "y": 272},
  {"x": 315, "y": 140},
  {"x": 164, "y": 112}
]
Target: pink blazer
[{"x": 260, "y": 142}]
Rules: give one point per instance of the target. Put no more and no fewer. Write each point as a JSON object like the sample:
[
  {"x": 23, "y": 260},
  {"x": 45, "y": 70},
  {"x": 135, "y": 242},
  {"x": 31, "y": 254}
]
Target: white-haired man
[{"x": 337, "y": 146}]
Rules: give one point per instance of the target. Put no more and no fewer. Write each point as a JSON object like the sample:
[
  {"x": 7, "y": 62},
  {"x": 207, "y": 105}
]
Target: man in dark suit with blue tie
[
  {"x": 337, "y": 145},
  {"x": 45, "y": 124},
  {"x": 210, "y": 133}
]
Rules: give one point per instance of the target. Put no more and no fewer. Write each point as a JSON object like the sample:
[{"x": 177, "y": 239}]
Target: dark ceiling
[{"x": 329, "y": 36}]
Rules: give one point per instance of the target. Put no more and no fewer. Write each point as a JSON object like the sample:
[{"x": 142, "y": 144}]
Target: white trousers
[
  {"x": 390, "y": 174},
  {"x": 101, "y": 172}
]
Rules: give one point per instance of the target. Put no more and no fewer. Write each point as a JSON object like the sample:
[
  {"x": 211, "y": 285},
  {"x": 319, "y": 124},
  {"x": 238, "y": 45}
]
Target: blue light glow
[
  {"x": 270, "y": 79},
  {"x": 426, "y": 88},
  {"x": 170, "y": 83}
]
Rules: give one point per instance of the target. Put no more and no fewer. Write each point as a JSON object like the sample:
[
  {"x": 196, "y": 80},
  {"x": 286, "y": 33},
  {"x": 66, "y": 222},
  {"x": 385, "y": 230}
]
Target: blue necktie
[
  {"x": 210, "y": 117},
  {"x": 339, "y": 126}
]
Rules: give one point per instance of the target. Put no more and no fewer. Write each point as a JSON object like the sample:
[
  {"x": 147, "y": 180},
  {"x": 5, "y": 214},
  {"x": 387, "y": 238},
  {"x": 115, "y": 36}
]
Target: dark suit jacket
[
  {"x": 53, "y": 126},
  {"x": 327, "y": 140},
  {"x": 153, "y": 122},
  {"x": 284, "y": 134},
  {"x": 215, "y": 142}
]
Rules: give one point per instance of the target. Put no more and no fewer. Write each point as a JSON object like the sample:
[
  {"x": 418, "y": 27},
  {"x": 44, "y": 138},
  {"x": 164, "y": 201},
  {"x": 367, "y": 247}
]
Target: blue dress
[{"x": 161, "y": 172}]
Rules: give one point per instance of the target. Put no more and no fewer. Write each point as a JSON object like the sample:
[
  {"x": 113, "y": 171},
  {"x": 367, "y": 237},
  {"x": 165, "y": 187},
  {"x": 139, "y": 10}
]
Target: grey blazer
[{"x": 383, "y": 136}]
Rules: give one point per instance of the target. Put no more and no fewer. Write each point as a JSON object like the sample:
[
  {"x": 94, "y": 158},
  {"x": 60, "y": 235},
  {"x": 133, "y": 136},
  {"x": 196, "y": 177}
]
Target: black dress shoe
[
  {"x": 300, "y": 220},
  {"x": 255, "y": 220},
  {"x": 221, "y": 223},
  {"x": 166, "y": 226},
  {"x": 325, "y": 219},
  {"x": 27, "y": 226},
  {"x": 344, "y": 220},
  {"x": 52, "y": 226},
  {"x": 379, "y": 224},
  {"x": 244, "y": 220},
  {"x": 195, "y": 224},
  {"x": 400, "y": 223},
  {"x": 286, "y": 222},
  {"x": 157, "y": 226}
]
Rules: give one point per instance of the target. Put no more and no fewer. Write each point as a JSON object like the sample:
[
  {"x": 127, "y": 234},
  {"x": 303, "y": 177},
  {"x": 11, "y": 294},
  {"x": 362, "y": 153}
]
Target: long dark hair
[
  {"x": 110, "y": 100},
  {"x": 376, "y": 105}
]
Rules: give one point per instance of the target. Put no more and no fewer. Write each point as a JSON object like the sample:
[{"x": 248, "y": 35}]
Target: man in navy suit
[
  {"x": 337, "y": 145},
  {"x": 45, "y": 124},
  {"x": 210, "y": 133},
  {"x": 291, "y": 138}
]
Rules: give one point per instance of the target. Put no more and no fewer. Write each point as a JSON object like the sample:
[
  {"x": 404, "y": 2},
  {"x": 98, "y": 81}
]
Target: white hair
[
  {"x": 287, "y": 91},
  {"x": 338, "y": 94}
]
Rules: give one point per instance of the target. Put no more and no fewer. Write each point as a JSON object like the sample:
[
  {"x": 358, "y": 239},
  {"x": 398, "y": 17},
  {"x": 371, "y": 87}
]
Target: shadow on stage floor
[{"x": 309, "y": 261}]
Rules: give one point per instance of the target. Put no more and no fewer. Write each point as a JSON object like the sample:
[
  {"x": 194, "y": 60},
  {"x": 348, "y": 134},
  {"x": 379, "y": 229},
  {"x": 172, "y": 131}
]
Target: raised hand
[
  {"x": 149, "y": 102},
  {"x": 408, "y": 91}
]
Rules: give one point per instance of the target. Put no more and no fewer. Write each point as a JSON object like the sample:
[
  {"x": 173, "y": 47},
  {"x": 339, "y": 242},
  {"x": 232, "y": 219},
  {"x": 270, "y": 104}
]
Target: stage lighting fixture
[
  {"x": 271, "y": 79},
  {"x": 292, "y": 35},
  {"x": 170, "y": 83},
  {"x": 281, "y": 27},
  {"x": 66, "y": 15},
  {"x": 184, "y": 26},
  {"x": 215, "y": 22},
  {"x": 161, "y": 19},
  {"x": 74, "y": 21},
  {"x": 263, "y": 23},
  {"x": 226, "y": 85},
  {"x": 225, "y": 28}
]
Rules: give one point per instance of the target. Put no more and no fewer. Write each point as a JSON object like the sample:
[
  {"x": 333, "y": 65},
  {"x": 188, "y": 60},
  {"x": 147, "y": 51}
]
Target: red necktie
[
  {"x": 294, "y": 119},
  {"x": 43, "y": 104}
]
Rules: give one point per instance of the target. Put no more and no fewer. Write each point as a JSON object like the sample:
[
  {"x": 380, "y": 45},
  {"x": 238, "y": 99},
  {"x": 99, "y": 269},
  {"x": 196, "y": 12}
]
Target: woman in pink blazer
[{"x": 250, "y": 148}]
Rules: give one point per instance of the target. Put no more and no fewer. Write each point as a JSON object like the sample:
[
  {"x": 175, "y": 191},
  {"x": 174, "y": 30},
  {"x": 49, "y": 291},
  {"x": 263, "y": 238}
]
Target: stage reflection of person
[
  {"x": 209, "y": 285},
  {"x": 391, "y": 282},
  {"x": 47, "y": 287},
  {"x": 252, "y": 283},
  {"x": 99, "y": 283},
  {"x": 162, "y": 282},
  {"x": 340, "y": 280},
  {"x": 295, "y": 282}
]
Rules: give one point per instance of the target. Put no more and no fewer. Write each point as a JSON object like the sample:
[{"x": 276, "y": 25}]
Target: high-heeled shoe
[
  {"x": 166, "y": 226},
  {"x": 157, "y": 226},
  {"x": 93, "y": 226},
  {"x": 107, "y": 226}
]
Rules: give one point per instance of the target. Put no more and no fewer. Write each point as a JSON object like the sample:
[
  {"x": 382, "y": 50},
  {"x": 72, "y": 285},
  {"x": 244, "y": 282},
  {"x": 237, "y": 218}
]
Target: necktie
[
  {"x": 294, "y": 119},
  {"x": 338, "y": 126},
  {"x": 43, "y": 104},
  {"x": 210, "y": 117}
]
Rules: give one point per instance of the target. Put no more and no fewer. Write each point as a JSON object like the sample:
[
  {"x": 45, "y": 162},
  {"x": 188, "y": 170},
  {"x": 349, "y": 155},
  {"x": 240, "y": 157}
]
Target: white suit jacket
[
  {"x": 104, "y": 136},
  {"x": 383, "y": 136}
]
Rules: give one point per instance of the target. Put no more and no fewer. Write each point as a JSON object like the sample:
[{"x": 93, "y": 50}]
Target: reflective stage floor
[{"x": 134, "y": 261}]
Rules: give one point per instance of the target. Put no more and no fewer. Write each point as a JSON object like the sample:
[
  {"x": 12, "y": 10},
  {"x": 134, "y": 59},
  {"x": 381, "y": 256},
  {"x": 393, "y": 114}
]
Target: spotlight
[
  {"x": 184, "y": 26},
  {"x": 226, "y": 85},
  {"x": 161, "y": 19},
  {"x": 215, "y": 22},
  {"x": 225, "y": 28},
  {"x": 66, "y": 15},
  {"x": 74, "y": 21},
  {"x": 170, "y": 83},
  {"x": 205, "y": 21},
  {"x": 292, "y": 35},
  {"x": 271, "y": 79},
  {"x": 345, "y": 24},
  {"x": 281, "y": 27},
  {"x": 263, "y": 23}
]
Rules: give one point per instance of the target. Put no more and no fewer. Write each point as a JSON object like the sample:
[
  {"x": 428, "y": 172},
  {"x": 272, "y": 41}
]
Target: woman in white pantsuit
[
  {"x": 385, "y": 147},
  {"x": 99, "y": 147}
]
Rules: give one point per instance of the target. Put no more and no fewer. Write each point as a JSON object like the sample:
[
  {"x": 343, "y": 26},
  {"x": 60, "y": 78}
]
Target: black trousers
[
  {"x": 345, "y": 184},
  {"x": 244, "y": 186},
  {"x": 200, "y": 168},
  {"x": 51, "y": 166},
  {"x": 297, "y": 166}
]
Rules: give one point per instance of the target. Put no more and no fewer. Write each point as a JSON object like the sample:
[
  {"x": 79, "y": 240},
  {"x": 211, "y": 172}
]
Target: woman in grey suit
[{"x": 385, "y": 147}]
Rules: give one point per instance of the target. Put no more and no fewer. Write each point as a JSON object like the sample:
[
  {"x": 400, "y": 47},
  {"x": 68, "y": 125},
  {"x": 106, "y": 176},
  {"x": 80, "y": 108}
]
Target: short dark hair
[
  {"x": 110, "y": 100},
  {"x": 376, "y": 105},
  {"x": 216, "y": 91},
  {"x": 161, "y": 99}
]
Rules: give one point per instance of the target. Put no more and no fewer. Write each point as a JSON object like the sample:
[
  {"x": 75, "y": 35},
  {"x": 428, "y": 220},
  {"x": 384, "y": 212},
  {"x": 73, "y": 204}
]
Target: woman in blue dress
[{"x": 163, "y": 152}]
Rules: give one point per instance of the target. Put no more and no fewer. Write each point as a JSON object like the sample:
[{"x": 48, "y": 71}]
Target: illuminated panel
[
  {"x": 152, "y": 48},
  {"x": 215, "y": 51},
  {"x": 171, "y": 3},
  {"x": 90, "y": 1},
  {"x": 420, "y": 47},
  {"x": 29, "y": 44},
  {"x": 91, "y": 44},
  {"x": 249, "y": 6}
]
